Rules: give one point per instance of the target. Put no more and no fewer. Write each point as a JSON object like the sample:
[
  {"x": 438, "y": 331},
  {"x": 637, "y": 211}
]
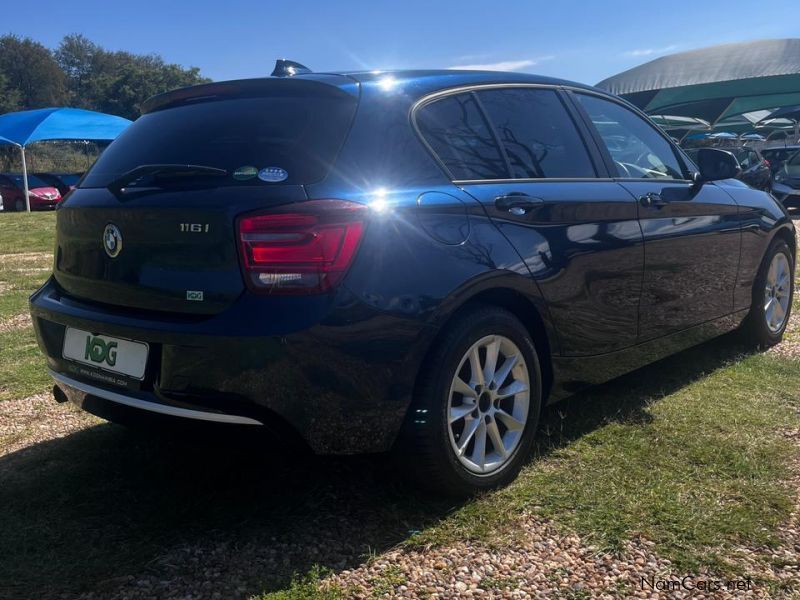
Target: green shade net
[{"x": 715, "y": 83}]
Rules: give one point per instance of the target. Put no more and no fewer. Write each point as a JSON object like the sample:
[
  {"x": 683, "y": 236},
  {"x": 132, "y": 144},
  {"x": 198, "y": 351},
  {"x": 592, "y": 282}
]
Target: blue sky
[{"x": 583, "y": 41}]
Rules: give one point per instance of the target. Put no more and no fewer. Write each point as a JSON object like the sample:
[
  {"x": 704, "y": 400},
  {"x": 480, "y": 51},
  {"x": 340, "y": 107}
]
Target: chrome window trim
[
  {"x": 173, "y": 411},
  {"x": 535, "y": 180}
]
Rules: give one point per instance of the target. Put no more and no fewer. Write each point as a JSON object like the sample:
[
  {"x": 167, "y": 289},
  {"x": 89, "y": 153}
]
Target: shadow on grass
[
  {"x": 227, "y": 513},
  {"x": 626, "y": 398}
]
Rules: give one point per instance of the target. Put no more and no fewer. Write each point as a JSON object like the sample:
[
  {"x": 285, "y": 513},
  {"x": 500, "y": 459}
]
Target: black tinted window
[
  {"x": 299, "y": 134},
  {"x": 637, "y": 149},
  {"x": 459, "y": 135},
  {"x": 34, "y": 181},
  {"x": 537, "y": 133},
  {"x": 70, "y": 179}
]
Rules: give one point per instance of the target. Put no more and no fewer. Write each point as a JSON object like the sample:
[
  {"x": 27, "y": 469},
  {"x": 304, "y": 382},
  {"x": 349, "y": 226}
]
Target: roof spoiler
[{"x": 288, "y": 68}]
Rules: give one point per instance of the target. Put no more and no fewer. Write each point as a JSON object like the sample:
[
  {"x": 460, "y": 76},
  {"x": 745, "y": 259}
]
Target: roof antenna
[{"x": 288, "y": 68}]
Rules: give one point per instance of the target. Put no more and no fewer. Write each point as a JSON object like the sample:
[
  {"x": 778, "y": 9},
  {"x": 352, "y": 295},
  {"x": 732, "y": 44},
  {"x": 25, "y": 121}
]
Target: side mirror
[{"x": 717, "y": 164}]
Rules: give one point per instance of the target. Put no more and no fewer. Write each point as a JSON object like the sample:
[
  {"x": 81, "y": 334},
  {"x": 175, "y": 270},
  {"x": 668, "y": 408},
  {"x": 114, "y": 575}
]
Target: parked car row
[
  {"x": 45, "y": 190},
  {"x": 755, "y": 167},
  {"x": 786, "y": 184},
  {"x": 778, "y": 156},
  {"x": 772, "y": 169}
]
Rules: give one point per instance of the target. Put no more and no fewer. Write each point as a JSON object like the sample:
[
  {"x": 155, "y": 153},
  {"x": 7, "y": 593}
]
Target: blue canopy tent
[{"x": 24, "y": 127}]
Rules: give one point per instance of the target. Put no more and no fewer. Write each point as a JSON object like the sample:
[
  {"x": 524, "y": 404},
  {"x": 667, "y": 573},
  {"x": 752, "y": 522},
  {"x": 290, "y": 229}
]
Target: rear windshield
[{"x": 258, "y": 141}]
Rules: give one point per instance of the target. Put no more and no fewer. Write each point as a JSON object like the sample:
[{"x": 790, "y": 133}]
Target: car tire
[
  {"x": 442, "y": 418},
  {"x": 769, "y": 314},
  {"x": 19, "y": 205}
]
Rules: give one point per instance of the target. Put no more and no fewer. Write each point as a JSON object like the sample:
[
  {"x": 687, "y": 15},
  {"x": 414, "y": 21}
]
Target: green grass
[
  {"x": 26, "y": 243},
  {"x": 307, "y": 587},
  {"x": 27, "y": 232},
  {"x": 22, "y": 370},
  {"x": 20, "y": 276},
  {"x": 697, "y": 470}
]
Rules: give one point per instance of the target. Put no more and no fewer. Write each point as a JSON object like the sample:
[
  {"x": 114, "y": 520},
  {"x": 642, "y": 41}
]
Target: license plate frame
[{"x": 79, "y": 348}]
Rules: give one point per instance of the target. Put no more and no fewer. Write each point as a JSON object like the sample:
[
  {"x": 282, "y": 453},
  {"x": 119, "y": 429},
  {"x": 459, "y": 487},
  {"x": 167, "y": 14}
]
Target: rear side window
[
  {"x": 298, "y": 135},
  {"x": 537, "y": 133},
  {"x": 458, "y": 134},
  {"x": 637, "y": 149}
]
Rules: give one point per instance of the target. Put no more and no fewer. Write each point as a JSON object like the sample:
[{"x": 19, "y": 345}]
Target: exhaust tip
[{"x": 59, "y": 395}]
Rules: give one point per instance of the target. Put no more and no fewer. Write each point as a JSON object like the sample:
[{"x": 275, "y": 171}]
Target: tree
[
  {"x": 9, "y": 97},
  {"x": 31, "y": 71},
  {"x": 117, "y": 82},
  {"x": 77, "y": 56},
  {"x": 139, "y": 77},
  {"x": 82, "y": 74}
]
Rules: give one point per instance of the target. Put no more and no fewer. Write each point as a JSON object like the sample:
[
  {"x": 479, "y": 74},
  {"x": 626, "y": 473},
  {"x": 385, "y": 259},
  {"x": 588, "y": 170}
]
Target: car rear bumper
[
  {"x": 79, "y": 391},
  {"x": 43, "y": 204},
  {"x": 342, "y": 385}
]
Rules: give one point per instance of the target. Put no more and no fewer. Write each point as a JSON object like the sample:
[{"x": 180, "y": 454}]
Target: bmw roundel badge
[{"x": 112, "y": 240}]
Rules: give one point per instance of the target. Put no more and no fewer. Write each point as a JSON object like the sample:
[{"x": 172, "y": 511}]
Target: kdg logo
[{"x": 99, "y": 351}]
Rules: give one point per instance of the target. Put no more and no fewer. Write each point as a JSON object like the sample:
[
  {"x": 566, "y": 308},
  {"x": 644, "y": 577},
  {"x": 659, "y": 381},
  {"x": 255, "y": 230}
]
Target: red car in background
[
  {"x": 43, "y": 196},
  {"x": 63, "y": 182}
]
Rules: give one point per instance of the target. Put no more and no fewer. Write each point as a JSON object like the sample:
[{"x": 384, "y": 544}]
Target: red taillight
[
  {"x": 301, "y": 248},
  {"x": 766, "y": 162}
]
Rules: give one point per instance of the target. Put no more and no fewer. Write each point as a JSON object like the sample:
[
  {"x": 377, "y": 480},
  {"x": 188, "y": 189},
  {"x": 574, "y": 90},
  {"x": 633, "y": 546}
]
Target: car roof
[
  {"x": 424, "y": 82},
  {"x": 412, "y": 83}
]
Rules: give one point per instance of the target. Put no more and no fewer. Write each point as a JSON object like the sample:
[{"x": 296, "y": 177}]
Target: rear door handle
[
  {"x": 517, "y": 204},
  {"x": 652, "y": 200}
]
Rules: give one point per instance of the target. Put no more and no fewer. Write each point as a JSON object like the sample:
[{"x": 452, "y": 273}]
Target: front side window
[
  {"x": 537, "y": 133},
  {"x": 458, "y": 134},
  {"x": 637, "y": 149}
]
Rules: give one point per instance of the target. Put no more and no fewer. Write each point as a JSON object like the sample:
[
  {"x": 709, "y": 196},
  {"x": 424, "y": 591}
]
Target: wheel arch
[
  {"x": 523, "y": 308},
  {"x": 786, "y": 233}
]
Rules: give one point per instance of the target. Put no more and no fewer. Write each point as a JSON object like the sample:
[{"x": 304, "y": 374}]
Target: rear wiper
[{"x": 119, "y": 183}]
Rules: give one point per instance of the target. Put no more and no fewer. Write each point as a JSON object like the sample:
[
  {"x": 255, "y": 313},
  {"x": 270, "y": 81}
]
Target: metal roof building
[{"x": 715, "y": 84}]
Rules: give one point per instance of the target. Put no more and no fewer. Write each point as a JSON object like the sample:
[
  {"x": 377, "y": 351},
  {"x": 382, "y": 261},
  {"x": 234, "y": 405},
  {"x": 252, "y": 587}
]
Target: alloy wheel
[
  {"x": 488, "y": 404},
  {"x": 777, "y": 292}
]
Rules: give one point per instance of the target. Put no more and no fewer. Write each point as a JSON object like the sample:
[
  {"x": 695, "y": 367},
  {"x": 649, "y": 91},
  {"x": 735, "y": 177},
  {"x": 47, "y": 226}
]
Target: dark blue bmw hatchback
[{"x": 417, "y": 261}]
